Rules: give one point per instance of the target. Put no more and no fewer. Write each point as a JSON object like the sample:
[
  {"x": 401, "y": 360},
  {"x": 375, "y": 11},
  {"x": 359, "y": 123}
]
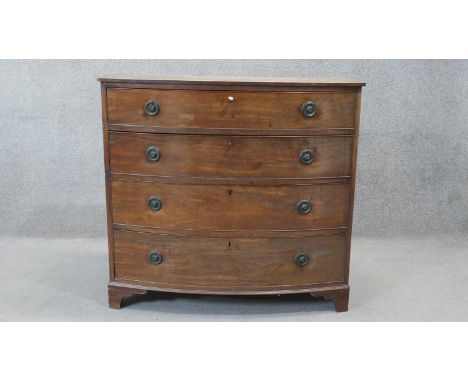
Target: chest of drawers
[{"x": 230, "y": 186}]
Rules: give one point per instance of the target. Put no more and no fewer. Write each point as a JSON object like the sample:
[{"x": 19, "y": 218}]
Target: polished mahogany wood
[
  {"x": 229, "y": 109},
  {"x": 205, "y": 262},
  {"x": 230, "y": 157},
  {"x": 298, "y": 131},
  {"x": 118, "y": 294},
  {"x": 256, "y": 82},
  {"x": 213, "y": 207},
  {"x": 340, "y": 296},
  {"x": 105, "y": 135},
  {"x": 352, "y": 188},
  {"x": 229, "y": 178},
  {"x": 224, "y": 233}
]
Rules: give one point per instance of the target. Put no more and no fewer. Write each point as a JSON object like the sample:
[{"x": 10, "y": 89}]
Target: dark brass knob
[
  {"x": 153, "y": 153},
  {"x": 154, "y": 203},
  {"x": 301, "y": 259},
  {"x": 155, "y": 258},
  {"x": 152, "y": 108},
  {"x": 304, "y": 207},
  {"x": 307, "y": 156},
  {"x": 309, "y": 109}
]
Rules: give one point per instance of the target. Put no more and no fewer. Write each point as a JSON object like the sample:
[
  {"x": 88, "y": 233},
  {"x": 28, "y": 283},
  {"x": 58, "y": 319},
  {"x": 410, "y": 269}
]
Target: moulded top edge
[{"x": 264, "y": 81}]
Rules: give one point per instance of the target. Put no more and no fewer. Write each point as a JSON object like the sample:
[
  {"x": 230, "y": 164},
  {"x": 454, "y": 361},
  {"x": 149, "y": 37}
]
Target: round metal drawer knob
[
  {"x": 307, "y": 156},
  {"x": 155, "y": 258},
  {"x": 304, "y": 207},
  {"x": 301, "y": 259},
  {"x": 153, "y": 153},
  {"x": 154, "y": 203},
  {"x": 309, "y": 109},
  {"x": 152, "y": 108}
]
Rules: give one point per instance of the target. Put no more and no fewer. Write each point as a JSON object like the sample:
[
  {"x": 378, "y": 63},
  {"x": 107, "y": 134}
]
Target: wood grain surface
[
  {"x": 230, "y": 156},
  {"x": 229, "y": 178},
  {"x": 204, "y": 262},
  {"x": 230, "y": 207},
  {"x": 216, "y": 81},
  {"x": 212, "y": 109}
]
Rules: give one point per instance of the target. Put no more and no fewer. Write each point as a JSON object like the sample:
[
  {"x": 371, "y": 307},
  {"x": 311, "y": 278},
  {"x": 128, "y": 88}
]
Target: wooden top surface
[{"x": 264, "y": 81}]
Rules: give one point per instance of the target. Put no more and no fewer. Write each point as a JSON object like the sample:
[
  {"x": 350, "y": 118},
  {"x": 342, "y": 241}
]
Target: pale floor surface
[{"x": 423, "y": 279}]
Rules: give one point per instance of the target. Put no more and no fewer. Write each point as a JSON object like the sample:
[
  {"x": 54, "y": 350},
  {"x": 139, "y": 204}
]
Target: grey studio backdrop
[{"x": 412, "y": 164}]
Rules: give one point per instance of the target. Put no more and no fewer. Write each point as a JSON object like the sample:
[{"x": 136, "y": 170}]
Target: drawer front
[
  {"x": 230, "y": 157},
  {"x": 215, "y": 207},
  {"x": 218, "y": 262},
  {"x": 229, "y": 109}
]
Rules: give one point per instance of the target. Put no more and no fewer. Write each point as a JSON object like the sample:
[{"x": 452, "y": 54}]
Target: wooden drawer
[
  {"x": 219, "y": 207},
  {"x": 213, "y": 109},
  {"x": 229, "y": 156},
  {"x": 221, "y": 262}
]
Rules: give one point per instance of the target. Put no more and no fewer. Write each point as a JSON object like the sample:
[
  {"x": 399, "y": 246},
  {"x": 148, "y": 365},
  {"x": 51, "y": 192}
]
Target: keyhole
[{"x": 230, "y": 192}]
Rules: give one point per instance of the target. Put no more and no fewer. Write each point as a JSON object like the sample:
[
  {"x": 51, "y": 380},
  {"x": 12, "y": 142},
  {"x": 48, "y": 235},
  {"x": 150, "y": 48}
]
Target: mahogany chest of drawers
[{"x": 230, "y": 186}]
